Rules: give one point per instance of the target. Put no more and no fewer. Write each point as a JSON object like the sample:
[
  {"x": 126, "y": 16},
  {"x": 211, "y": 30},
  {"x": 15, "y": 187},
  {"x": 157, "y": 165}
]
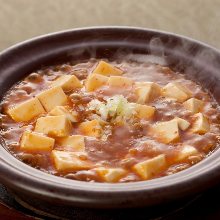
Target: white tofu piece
[
  {"x": 52, "y": 97},
  {"x": 144, "y": 111},
  {"x": 95, "y": 81},
  {"x": 91, "y": 128},
  {"x": 149, "y": 168},
  {"x": 32, "y": 141},
  {"x": 194, "y": 105},
  {"x": 182, "y": 123},
  {"x": 64, "y": 110},
  {"x": 70, "y": 161},
  {"x": 107, "y": 69},
  {"x": 119, "y": 81},
  {"x": 67, "y": 82},
  {"x": 27, "y": 110},
  {"x": 167, "y": 132},
  {"x": 110, "y": 175},
  {"x": 57, "y": 126},
  {"x": 147, "y": 91},
  {"x": 185, "y": 152},
  {"x": 73, "y": 143},
  {"x": 201, "y": 124},
  {"x": 176, "y": 91}
]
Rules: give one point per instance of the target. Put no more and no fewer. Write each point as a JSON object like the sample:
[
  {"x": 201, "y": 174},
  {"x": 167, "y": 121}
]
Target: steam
[
  {"x": 199, "y": 63},
  {"x": 146, "y": 58},
  {"x": 156, "y": 47}
]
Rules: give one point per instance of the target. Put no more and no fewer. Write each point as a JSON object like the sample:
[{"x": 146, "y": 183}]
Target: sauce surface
[{"x": 134, "y": 130}]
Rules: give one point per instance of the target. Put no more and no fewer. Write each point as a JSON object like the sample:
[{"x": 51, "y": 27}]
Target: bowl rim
[
  {"x": 109, "y": 27},
  {"x": 39, "y": 182}
]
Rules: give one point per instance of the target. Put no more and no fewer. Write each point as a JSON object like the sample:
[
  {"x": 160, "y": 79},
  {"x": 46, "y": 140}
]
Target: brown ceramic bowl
[{"x": 198, "y": 61}]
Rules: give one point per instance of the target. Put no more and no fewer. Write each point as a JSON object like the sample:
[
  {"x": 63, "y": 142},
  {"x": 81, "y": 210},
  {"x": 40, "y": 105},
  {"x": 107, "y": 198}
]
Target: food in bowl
[{"x": 110, "y": 122}]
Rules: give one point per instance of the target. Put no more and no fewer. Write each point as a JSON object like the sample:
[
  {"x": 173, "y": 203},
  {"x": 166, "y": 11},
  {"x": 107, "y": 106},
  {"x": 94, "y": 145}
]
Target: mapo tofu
[{"x": 109, "y": 122}]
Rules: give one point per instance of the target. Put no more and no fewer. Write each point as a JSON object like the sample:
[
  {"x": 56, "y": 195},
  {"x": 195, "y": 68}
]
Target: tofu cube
[
  {"x": 194, "y": 105},
  {"x": 32, "y": 141},
  {"x": 119, "y": 81},
  {"x": 185, "y": 152},
  {"x": 167, "y": 132},
  {"x": 147, "y": 91},
  {"x": 149, "y": 168},
  {"x": 72, "y": 143},
  {"x": 67, "y": 83},
  {"x": 201, "y": 124},
  {"x": 52, "y": 98},
  {"x": 95, "y": 81},
  {"x": 182, "y": 123},
  {"x": 64, "y": 110},
  {"x": 107, "y": 69},
  {"x": 176, "y": 91},
  {"x": 111, "y": 175},
  {"x": 91, "y": 128},
  {"x": 57, "y": 126},
  {"x": 144, "y": 111},
  {"x": 69, "y": 161},
  {"x": 26, "y": 110}
]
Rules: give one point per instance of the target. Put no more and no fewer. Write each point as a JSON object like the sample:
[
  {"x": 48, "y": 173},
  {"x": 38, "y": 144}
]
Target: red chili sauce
[{"x": 109, "y": 122}]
